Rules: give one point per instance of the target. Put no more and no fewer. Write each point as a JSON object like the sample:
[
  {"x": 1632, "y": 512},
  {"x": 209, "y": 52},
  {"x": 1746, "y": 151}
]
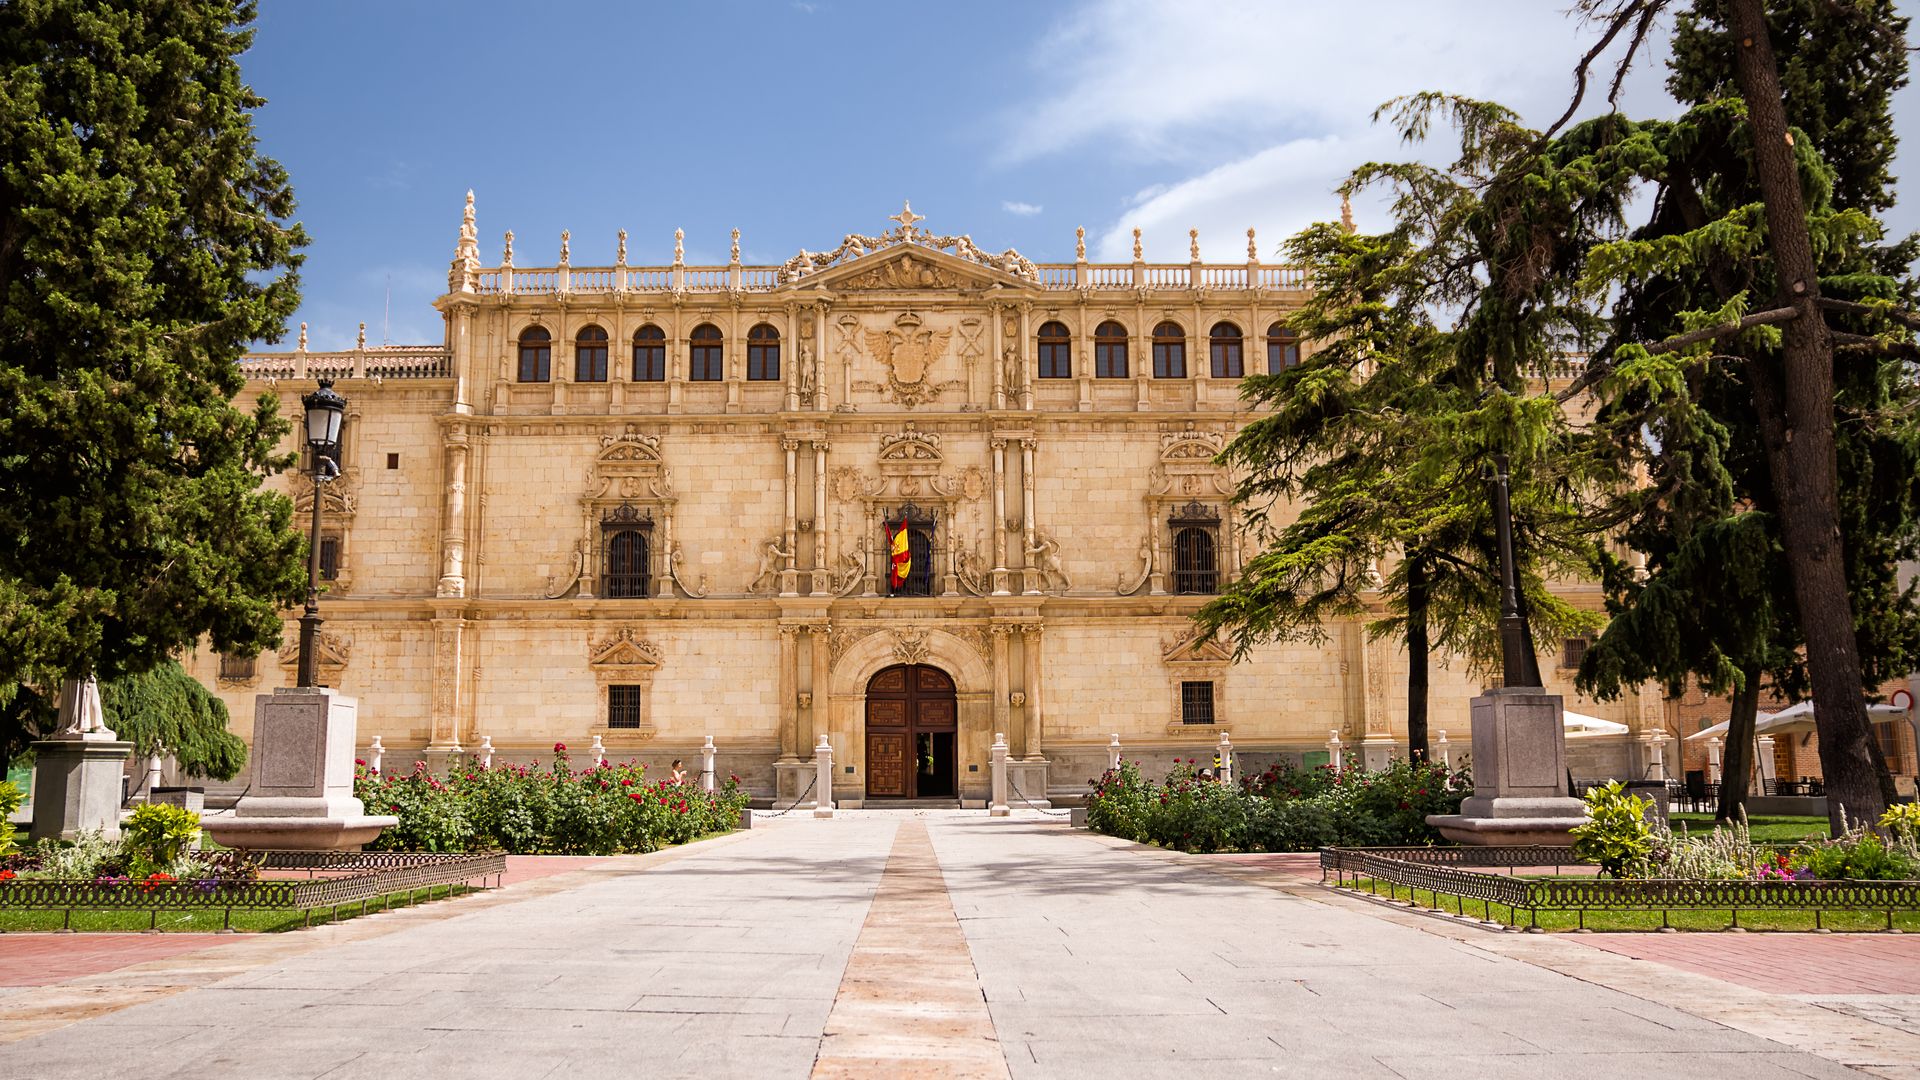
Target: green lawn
[
  {"x": 1774, "y": 830},
  {"x": 179, "y": 922},
  {"x": 1846, "y": 919}
]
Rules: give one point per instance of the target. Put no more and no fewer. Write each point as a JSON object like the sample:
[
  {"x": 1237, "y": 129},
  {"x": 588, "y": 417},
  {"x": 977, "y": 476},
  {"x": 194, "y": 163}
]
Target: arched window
[
  {"x": 1056, "y": 351},
  {"x": 536, "y": 355},
  {"x": 626, "y": 576},
  {"x": 1283, "y": 349},
  {"x": 763, "y": 354},
  {"x": 705, "y": 354},
  {"x": 1195, "y": 570},
  {"x": 1110, "y": 351},
  {"x": 649, "y": 354},
  {"x": 1169, "y": 351},
  {"x": 1224, "y": 346},
  {"x": 590, "y": 355}
]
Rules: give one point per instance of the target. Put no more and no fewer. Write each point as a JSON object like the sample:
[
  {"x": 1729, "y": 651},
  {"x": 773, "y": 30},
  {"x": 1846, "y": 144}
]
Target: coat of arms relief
[{"x": 909, "y": 350}]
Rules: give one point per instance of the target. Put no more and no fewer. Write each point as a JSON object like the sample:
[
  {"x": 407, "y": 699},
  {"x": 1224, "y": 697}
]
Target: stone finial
[
  {"x": 1193, "y": 244},
  {"x": 734, "y": 258},
  {"x": 620, "y": 254},
  {"x": 466, "y": 218},
  {"x": 1253, "y": 247},
  {"x": 1346, "y": 212},
  {"x": 1080, "y": 244},
  {"x": 679, "y": 246},
  {"x": 303, "y": 338},
  {"x": 506, "y": 257},
  {"x": 566, "y": 240},
  {"x": 1136, "y": 245},
  {"x": 363, "y": 337}
]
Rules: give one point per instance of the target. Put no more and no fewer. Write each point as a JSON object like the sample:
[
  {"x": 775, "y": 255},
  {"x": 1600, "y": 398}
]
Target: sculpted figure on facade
[
  {"x": 773, "y": 559},
  {"x": 1043, "y": 554}
]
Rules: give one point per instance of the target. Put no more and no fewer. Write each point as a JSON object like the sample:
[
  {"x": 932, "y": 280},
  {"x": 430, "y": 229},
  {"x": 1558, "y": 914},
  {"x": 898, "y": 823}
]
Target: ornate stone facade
[{"x": 913, "y": 377}]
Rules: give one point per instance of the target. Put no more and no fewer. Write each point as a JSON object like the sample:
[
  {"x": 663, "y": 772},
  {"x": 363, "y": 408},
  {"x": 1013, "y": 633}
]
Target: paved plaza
[{"x": 926, "y": 944}]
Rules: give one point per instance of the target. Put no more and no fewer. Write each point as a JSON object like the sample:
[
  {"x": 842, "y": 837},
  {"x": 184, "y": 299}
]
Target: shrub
[
  {"x": 1901, "y": 821},
  {"x": 157, "y": 835},
  {"x": 1616, "y": 834},
  {"x": 10, "y": 799},
  {"x": 1860, "y": 855}
]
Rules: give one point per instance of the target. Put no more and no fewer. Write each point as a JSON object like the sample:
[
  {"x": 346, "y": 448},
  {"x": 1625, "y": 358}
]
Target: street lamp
[
  {"x": 324, "y": 412},
  {"x": 1517, "y": 664}
]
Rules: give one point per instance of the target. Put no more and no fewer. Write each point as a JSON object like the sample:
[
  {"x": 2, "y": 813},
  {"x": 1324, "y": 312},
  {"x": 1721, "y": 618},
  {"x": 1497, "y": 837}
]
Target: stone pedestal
[
  {"x": 1376, "y": 752},
  {"x": 790, "y": 780},
  {"x": 76, "y": 786},
  {"x": 1519, "y": 773},
  {"x": 1028, "y": 781},
  {"x": 302, "y": 796}
]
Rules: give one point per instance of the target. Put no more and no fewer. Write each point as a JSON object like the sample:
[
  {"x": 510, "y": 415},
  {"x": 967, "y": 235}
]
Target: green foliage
[
  {"x": 1860, "y": 855},
  {"x": 166, "y": 710},
  {"x": 1279, "y": 810},
  {"x": 1901, "y": 820},
  {"x": 523, "y": 810},
  {"x": 143, "y": 243},
  {"x": 10, "y": 799},
  {"x": 155, "y": 835},
  {"x": 1616, "y": 835}
]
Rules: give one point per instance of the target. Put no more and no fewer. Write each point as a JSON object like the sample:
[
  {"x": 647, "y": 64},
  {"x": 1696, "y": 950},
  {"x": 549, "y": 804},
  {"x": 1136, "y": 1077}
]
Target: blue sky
[{"x": 798, "y": 122}]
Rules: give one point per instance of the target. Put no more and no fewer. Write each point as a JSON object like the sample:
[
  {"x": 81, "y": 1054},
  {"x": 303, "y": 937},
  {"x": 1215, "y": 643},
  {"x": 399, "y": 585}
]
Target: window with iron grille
[
  {"x": 625, "y": 541},
  {"x": 1573, "y": 651},
  {"x": 920, "y": 565},
  {"x": 329, "y": 558},
  {"x": 1196, "y": 549},
  {"x": 623, "y": 706},
  {"x": 236, "y": 667},
  {"x": 1196, "y": 702}
]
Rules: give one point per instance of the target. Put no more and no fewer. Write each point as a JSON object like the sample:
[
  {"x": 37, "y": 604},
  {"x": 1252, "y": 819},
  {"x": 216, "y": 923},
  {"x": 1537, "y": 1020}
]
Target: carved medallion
[{"x": 909, "y": 351}]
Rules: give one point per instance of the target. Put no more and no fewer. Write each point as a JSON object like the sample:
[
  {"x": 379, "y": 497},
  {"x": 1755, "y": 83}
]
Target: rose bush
[
  {"x": 556, "y": 810},
  {"x": 1281, "y": 809}
]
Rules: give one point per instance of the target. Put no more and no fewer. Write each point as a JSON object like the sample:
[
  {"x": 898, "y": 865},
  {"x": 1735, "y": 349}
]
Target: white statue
[
  {"x": 773, "y": 559},
  {"x": 1043, "y": 553}
]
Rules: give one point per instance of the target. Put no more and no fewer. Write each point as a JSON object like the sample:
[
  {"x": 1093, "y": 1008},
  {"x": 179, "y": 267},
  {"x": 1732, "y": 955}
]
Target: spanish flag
[{"x": 901, "y": 555}]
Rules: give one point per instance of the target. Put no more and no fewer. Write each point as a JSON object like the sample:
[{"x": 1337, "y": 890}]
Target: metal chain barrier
[
  {"x": 1023, "y": 798},
  {"x": 795, "y": 804}
]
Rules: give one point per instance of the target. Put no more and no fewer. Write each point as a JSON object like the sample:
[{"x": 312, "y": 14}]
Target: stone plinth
[
  {"x": 76, "y": 786},
  {"x": 1028, "y": 781},
  {"x": 791, "y": 780},
  {"x": 1519, "y": 773},
  {"x": 302, "y": 792}
]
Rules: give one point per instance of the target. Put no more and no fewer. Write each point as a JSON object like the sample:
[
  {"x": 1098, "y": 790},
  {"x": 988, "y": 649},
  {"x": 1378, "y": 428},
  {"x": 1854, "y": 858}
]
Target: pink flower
[{"x": 559, "y": 748}]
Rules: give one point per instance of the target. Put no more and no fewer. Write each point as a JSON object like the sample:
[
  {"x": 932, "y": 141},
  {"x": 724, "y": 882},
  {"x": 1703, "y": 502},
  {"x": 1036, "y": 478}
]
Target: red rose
[{"x": 559, "y": 748}]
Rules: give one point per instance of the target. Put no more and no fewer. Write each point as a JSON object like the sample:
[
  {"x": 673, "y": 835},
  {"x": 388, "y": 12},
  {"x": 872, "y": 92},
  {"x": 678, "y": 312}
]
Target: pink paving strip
[
  {"x": 1782, "y": 963},
  {"x": 35, "y": 959}
]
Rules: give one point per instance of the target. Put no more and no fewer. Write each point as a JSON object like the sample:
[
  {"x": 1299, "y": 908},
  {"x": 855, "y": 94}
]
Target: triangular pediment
[
  {"x": 625, "y": 650},
  {"x": 907, "y": 267},
  {"x": 1186, "y": 650}
]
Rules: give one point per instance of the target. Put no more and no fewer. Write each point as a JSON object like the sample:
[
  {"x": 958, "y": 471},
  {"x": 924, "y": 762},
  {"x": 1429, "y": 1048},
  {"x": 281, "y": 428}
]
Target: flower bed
[
  {"x": 1282, "y": 809},
  {"x": 533, "y": 810}
]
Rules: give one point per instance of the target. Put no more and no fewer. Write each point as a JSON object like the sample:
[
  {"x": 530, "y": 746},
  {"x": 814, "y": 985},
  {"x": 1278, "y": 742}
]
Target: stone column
[
  {"x": 453, "y": 528},
  {"x": 823, "y": 779},
  {"x": 1030, "y": 682},
  {"x": 462, "y": 358},
  {"x": 822, "y": 536},
  {"x": 999, "y": 529},
  {"x": 1026, "y": 519},
  {"x": 1002, "y": 676},
  {"x": 873, "y": 579},
  {"x": 449, "y": 658},
  {"x": 790, "y": 369},
  {"x": 791, "y": 446},
  {"x": 789, "y": 717},
  {"x": 999, "y": 755},
  {"x": 818, "y": 635},
  {"x": 997, "y": 395},
  {"x": 1025, "y": 387}
]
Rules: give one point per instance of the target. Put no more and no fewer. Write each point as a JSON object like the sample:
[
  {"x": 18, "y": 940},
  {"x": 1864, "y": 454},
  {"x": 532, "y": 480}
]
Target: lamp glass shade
[{"x": 324, "y": 412}]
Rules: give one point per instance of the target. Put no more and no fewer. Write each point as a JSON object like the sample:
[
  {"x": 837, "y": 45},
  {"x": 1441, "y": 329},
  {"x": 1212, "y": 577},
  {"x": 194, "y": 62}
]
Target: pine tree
[
  {"x": 143, "y": 242},
  {"x": 166, "y": 711}
]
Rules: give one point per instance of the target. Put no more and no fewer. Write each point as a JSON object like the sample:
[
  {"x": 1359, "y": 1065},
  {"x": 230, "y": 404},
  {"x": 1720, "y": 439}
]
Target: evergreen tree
[
  {"x": 143, "y": 242},
  {"x": 166, "y": 711},
  {"x": 1726, "y": 598},
  {"x": 1429, "y": 334}
]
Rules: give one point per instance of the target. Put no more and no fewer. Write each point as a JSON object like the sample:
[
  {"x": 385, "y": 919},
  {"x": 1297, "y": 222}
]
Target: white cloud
[{"x": 1023, "y": 209}]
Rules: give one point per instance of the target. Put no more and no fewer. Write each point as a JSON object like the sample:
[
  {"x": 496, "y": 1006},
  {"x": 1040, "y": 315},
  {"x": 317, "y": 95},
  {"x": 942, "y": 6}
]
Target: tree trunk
[
  {"x": 1417, "y": 657},
  {"x": 1795, "y": 409},
  {"x": 1737, "y": 765}
]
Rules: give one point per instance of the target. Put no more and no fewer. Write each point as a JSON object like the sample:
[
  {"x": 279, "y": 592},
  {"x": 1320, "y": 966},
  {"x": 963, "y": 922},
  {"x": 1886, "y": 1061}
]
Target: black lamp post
[
  {"x": 1517, "y": 664},
  {"x": 324, "y": 412}
]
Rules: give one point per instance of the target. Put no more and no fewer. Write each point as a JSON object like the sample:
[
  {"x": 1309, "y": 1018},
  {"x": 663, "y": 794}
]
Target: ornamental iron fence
[
  {"x": 1456, "y": 872},
  {"x": 349, "y": 876}
]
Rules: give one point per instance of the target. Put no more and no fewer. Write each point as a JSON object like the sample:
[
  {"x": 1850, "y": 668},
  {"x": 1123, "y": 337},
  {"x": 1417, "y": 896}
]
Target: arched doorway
[{"x": 911, "y": 728}]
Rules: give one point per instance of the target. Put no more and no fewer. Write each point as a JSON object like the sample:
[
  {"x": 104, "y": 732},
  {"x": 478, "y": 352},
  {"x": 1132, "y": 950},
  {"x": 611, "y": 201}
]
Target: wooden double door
[{"x": 912, "y": 732}]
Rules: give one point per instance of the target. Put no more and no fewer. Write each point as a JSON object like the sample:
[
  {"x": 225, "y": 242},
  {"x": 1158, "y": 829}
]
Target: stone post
[
  {"x": 706, "y": 765},
  {"x": 823, "y": 779},
  {"x": 375, "y": 755},
  {"x": 153, "y": 774},
  {"x": 486, "y": 751},
  {"x": 999, "y": 805},
  {"x": 1333, "y": 749},
  {"x": 1226, "y": 759},
  {"x": 1657, "y": 752},
  {"x": 76, "y": 773},
  {"x": 1443, "y": 750},
  {"x": 1113, "y": 751},
  {"x": 599, "y": 751},
  {"x": 1713, "y": 760}
]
